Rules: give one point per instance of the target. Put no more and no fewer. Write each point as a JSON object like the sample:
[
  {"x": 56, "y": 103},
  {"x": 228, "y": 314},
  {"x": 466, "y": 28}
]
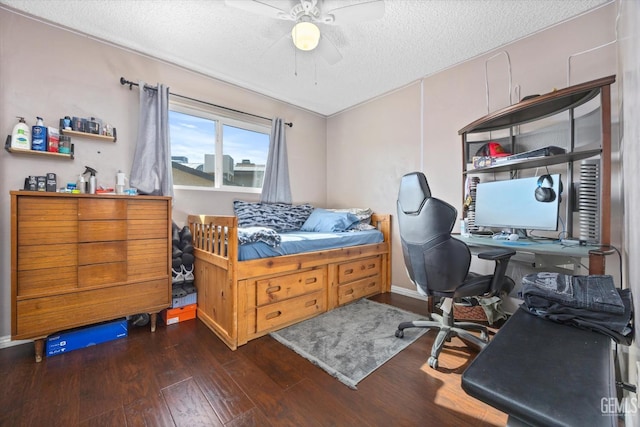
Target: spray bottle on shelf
[
  {"x": 93, "y": 182},
  {"x": 21, "y": 135}
]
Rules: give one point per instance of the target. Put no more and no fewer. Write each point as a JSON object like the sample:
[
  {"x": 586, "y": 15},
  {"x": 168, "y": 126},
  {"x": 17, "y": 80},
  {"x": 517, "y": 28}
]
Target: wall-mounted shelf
[
  {"x": 39, "y": 153},
  {"x": 7, "y": 147},
  {"x": 537, "y": 162},
  {"x": 88, "y": 135}
]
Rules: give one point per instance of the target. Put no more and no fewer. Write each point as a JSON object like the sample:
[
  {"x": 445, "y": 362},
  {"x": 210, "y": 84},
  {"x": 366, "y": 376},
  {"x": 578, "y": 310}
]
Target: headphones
[{"x": 544, "y": 191}]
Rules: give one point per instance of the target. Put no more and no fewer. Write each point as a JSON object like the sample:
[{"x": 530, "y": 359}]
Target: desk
[
  {"x": 545, "y": 373},
  {"x": 544, "y": 252}
]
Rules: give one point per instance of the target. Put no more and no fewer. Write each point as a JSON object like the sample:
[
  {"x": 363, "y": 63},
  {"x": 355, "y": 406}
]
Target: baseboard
[
  {"x": 407, "y": 292},
  {"x": 6, "y": 342}
]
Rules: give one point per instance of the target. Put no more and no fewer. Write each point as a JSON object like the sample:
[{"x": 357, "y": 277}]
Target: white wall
[
  {"x": 369, "y": 149},
  {"x": 51, "y": 72}
]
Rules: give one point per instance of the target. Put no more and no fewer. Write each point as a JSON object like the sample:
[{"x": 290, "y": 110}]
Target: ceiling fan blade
[
  {"x": 328, "y": 51},
  {"x": 366, "y": 11},
  {"x": 283, "y": 42},
  {"x": 259, "y": 8}
]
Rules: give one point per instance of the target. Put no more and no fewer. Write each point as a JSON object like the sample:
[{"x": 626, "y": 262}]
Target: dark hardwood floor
[{"x": 183, "y": 375}]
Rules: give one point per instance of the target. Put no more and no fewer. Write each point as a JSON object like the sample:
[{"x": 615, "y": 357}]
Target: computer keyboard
[{"x": 481, "y": 233}]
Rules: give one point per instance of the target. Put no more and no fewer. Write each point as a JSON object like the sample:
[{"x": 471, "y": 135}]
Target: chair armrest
[
  {"x": 499, "y": 282},
  {"x": 497, "y": 254}
]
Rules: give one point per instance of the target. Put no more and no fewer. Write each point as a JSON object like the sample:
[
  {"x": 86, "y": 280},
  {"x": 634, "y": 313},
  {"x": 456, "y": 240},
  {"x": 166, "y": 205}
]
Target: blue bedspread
[{"x": 296, "y": 242}]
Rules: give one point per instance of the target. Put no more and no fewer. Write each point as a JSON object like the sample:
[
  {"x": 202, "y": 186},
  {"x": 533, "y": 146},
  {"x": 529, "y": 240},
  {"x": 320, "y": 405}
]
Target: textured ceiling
[{"x": 414, "y": 39}]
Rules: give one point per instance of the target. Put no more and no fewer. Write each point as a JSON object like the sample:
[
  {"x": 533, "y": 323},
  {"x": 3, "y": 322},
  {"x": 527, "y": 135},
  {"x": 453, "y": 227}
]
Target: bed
[{"x": 241, "y": 299}]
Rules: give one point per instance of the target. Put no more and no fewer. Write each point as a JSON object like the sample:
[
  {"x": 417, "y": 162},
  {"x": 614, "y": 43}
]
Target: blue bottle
[{"x": 39, "y": 136}]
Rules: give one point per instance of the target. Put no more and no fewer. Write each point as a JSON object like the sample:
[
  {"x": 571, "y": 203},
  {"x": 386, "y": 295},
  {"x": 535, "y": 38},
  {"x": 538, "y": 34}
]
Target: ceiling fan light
[{"x": 306, "y": 35}]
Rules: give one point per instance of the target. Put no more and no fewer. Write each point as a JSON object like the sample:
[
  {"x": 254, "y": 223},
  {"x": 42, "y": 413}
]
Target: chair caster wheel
[
  {"x": 433, "y": 362},
  {"x": 399, "y": 333}
]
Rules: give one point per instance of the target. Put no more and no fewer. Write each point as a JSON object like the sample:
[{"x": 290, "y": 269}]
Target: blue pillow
[{"x": 324, "y": 221}]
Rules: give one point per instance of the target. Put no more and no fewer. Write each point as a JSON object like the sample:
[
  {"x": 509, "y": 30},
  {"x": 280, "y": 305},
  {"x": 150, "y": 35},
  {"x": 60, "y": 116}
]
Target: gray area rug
[{"x": 351, "y": 341}]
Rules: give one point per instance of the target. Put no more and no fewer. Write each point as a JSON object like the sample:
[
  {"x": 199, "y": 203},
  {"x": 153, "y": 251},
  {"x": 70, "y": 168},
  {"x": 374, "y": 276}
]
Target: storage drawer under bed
[
  {"x": 279, "y": 288},
  {"x": 358, "y": 269},
  {"x": 359, "y": 289},
  {"x": 273, "y": 316}
]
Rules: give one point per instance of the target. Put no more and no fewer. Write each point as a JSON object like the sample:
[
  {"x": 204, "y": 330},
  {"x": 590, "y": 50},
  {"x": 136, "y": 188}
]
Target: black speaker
[{"x": 544, "y": 191}]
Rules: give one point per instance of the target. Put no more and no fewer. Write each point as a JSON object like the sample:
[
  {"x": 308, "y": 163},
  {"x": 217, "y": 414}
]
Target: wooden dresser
[{"x": 81, "y": 259}]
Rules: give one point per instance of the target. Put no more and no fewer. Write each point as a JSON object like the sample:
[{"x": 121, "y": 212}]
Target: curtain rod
[{"x": 124, "y": 82}]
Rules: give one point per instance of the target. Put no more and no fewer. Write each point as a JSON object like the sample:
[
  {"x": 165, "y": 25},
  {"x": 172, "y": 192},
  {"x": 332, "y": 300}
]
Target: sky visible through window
[{"x": 193, "y": 137}]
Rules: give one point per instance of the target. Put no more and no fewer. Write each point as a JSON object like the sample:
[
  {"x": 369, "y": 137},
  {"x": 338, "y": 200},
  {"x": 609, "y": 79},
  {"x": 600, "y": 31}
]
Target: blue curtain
[
  {"x": 151, "y": 168},
  {"x": 276, "y": 188}
]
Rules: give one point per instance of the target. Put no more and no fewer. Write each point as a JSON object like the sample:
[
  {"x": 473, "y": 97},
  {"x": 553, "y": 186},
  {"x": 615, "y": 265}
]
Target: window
[{"x": 212, "y": 151}]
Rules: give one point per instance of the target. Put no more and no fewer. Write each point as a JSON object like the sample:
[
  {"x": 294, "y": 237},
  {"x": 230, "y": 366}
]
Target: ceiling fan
[{"x": 306, "y": 14}]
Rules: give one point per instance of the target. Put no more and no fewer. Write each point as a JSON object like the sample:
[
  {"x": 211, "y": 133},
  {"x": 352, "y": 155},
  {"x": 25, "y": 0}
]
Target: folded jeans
[{"x": 594, "y": 292}]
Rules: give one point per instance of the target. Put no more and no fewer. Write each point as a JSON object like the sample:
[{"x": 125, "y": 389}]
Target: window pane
[
  {"x": 244, "y": 156},
  {"x": 192, "y": 149}
]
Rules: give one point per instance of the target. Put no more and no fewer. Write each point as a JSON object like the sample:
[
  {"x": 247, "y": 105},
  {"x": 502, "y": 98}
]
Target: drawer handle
[
  {"x": 273, "y": 289},
  {"x": 349, "y": 292},
  {"x": 310, "y": 280},
  {"x": 310, "y": 303},
  {"x": 371, "y": 285},
  {"x": 273, "y": 315},
  {"x": 349, "y": 271},
  {"x": 370, "y": 266}
]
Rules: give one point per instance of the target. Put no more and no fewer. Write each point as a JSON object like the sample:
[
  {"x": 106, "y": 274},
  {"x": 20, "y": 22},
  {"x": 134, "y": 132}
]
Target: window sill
[{"x": 246, "y": 190}]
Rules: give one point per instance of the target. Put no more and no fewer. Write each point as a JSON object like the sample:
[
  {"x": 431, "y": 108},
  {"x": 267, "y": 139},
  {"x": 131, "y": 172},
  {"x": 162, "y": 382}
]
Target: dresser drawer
[
  {"x": 49, "y": 210},
  {"x": 101, "y": 252},
  {"x": 47, "y": 256},
  {"x": 47, "y": 232},
  {"x": 358, "y": 269},
  {"x": 147, "y": 259},
  {"x": 109, "y": 273},
  {"x": 102, "y": 231},
  {"x": 359, "y": 289},
  {"x": 37, "y": 317},
  {"x": 147, "y": 210},
  {"x": 92, "y": 209},
  {"x": 139, "y": 229},
  {"x": 147, "y": 219},
  {"x": 284, "y": 287},
  {"x": 273, "y": 316},
  {"x": 47, "y": 281}
]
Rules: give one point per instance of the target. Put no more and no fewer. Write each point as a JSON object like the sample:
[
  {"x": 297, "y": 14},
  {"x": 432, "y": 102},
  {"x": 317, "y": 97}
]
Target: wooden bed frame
[{"x": 243, "y": 300}]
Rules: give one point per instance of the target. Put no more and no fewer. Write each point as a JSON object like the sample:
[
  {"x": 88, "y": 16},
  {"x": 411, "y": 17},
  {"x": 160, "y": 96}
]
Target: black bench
[{"x": 544, "y": 373}]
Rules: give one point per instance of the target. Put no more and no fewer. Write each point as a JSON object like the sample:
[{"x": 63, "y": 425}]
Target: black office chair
[{"x": 438, "y": 264}]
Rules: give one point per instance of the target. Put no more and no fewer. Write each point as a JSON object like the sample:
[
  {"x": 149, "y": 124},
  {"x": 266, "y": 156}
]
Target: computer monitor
[{"x": 512, "y": 203}]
